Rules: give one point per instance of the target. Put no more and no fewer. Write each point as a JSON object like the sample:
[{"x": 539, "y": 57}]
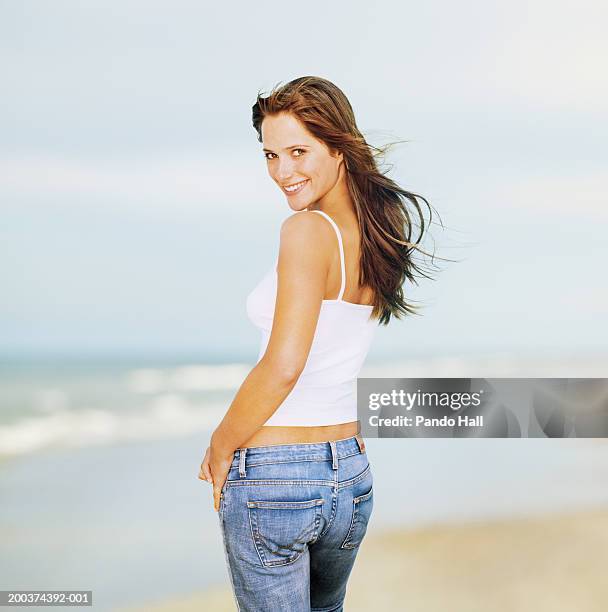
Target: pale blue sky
[{"x": 137, "y": 212}]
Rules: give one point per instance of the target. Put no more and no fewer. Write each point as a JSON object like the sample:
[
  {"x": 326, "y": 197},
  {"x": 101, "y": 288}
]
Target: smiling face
[{"x": 296, "y": 158}]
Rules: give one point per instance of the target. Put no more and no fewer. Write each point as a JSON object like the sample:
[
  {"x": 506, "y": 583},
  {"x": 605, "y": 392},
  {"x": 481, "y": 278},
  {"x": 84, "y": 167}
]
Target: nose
[{"x": 284, "y": 169}]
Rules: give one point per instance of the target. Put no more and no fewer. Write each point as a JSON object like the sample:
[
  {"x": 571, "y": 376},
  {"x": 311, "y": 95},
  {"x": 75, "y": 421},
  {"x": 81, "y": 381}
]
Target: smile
[{"x": 295, "y": 187}]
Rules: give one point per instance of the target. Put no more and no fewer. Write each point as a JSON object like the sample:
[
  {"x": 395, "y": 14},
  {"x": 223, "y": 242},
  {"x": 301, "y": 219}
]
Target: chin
[{"x": 298, "y": 207}]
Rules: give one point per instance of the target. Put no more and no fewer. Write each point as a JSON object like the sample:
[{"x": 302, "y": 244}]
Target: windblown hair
[{"x": 381, "y": 205}]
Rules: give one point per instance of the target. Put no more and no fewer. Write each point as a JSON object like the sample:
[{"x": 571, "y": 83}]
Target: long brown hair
[{"x": 385, "y": 225}]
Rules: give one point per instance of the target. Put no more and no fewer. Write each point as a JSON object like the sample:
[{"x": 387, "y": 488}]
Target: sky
[{"x": 137, "y": 212}]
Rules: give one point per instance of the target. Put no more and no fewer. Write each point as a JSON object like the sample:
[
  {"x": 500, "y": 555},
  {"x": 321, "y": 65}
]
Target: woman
[{"x": 291, "y": 478}]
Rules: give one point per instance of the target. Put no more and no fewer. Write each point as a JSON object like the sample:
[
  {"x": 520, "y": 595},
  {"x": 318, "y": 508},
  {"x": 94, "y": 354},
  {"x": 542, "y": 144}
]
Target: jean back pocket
[
  {"x": 362, "y": 510},
  {"x": 282, "y": 529}
]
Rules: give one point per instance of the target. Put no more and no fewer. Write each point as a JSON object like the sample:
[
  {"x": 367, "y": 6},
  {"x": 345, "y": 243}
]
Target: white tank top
[{"x": 325, "y": 393}]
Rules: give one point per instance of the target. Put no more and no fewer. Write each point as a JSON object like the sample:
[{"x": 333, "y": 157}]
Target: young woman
[{"x": 291, "y": 478}]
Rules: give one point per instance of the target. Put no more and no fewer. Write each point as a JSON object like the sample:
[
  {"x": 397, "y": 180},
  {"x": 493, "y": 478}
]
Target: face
[{"x": 293, "y": 156}]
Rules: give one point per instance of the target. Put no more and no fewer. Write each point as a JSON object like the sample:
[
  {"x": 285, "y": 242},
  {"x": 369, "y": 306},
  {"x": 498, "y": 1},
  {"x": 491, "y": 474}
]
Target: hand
[{"x": 214, "y": 469}]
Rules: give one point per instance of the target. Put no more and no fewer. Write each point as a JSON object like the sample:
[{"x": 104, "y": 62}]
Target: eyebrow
[{"x": 286, "y": 148}]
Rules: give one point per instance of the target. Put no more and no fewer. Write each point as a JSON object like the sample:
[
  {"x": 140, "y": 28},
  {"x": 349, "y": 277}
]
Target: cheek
[{"x": 312, "y": 171}]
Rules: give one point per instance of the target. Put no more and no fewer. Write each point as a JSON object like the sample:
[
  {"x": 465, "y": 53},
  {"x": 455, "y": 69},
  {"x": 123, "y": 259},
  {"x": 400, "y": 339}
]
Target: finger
[
  {"x": 216, "y": 498},
  {"x": 206, "y": 470},
  {"x": 205, "y": 474}
]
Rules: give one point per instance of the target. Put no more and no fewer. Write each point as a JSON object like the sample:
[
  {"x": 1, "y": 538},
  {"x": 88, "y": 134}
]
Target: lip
[{"x": 297, "y": 190}]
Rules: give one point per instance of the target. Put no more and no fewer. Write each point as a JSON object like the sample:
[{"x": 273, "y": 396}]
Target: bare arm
[{"x": 303, "y": 266}]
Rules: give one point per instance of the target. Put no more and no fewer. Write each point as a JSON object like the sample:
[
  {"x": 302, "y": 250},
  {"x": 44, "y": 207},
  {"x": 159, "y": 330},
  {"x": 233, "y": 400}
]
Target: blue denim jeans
[{"x": 292, "y": 518}]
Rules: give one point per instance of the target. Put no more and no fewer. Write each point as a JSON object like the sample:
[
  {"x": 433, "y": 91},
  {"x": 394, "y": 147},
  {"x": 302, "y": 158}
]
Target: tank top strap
[{"x": 341, "y": 246}]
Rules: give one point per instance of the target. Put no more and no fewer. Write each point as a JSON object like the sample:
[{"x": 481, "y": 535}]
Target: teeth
[{"x": 295, "y": 187}]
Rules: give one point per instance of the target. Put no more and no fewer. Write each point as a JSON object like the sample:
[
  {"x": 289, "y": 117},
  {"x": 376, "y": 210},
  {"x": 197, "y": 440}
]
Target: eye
[{"x": 269, "y": 153}]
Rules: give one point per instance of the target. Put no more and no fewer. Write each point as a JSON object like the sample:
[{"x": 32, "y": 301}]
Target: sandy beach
[{"x": 539, "y": 563}]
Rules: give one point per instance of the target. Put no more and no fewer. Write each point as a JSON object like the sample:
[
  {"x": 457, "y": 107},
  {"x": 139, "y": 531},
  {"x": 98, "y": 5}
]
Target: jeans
[{"x": 292, "y": 518}]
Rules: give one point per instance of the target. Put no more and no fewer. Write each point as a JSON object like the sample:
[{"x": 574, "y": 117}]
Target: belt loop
[
  {"x": 360, "y": 443},
  {"x": 334, "y": 454},
  {"x": 242, "y": 454}
]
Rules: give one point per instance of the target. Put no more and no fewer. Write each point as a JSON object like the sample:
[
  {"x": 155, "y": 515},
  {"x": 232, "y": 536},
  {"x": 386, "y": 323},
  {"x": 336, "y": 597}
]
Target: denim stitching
[
  {"x": 253, "y": 536},
  {"x": 330, "y": 483},
  {"x": 345, "y": 543},
  {"x": 365, "y": 496},
  {"x": 317, "y": 521},
  {"x": 296, "y": 444},
  {"x": 308, "y": 458},
  {"x": 244, "y": 483},
  {"x": 283, "y": 505},
  {"x": 356, "y": 501},
  {"x": 334, "y": 503},
  {"x": 259, "y": 547},
  {"x": 356, "y": 479}
]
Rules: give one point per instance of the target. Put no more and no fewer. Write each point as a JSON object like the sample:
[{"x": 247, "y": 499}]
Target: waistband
[{"x": 319, "y": 451}]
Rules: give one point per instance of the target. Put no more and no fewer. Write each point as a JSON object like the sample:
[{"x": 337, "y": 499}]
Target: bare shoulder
[{"x": 307, "y": 229}]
